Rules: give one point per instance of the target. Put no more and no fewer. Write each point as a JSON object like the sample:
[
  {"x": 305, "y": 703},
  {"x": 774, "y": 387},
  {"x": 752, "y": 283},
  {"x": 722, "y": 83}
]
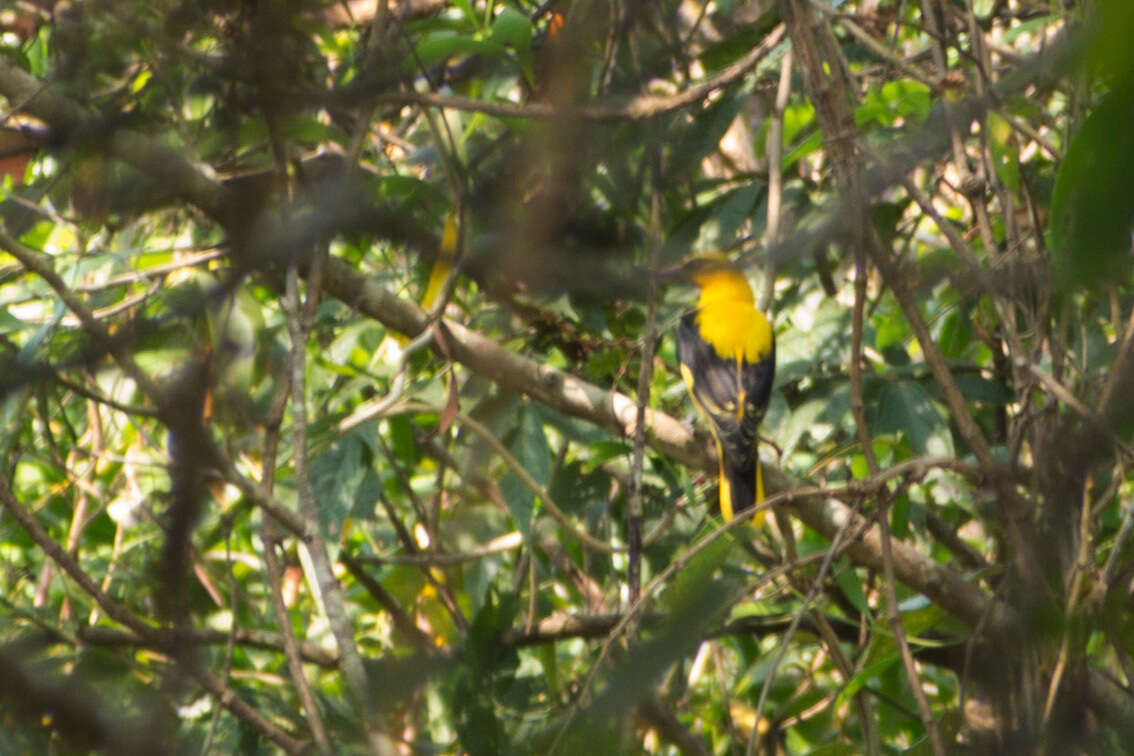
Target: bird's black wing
[{"x": 718, "y": 385}]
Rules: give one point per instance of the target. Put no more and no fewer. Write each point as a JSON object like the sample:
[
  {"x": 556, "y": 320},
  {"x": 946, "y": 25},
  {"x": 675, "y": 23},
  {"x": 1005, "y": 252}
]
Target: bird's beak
[{"x": 673, "y": 274}]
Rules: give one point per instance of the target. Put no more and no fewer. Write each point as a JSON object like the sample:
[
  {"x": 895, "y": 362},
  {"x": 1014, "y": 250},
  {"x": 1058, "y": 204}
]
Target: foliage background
[{"x": 255, "y": 498}]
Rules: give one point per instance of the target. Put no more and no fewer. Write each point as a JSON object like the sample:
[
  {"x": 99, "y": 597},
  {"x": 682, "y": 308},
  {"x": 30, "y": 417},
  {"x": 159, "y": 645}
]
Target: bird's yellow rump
[{"x": 727, "y": 353}]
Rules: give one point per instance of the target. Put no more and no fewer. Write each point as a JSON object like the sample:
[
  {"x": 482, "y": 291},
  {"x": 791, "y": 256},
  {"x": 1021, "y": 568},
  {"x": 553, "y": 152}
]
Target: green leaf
[
  {"x": 956, "y": 334},
  {"x": 900, "y": 516},
  {"x": 862, "y": 678},
  {"x": 738, "y": 207},
  {"x": 810, "y": 144},
  {"x": 510, "y": 27},
  {"x": 798, "y": 117},
  {"x": 697, "y": 573},
  {"x": 336, "y": 476},
  {"x": 906, "y": 407},
  {"x": 1002, "y": 146},
  {"x": 727, "y": 51},
  {"x": 899, "y": 99},
  {"x": 703, "y": 136},
  {"x": 314, "y": 131},
  {"x": 574, "y": 488},
  {"x": 1091, "y": 219},
  {"x": 977, "y": 388},
  {"x": 849, "y": 583},
  {"x": 529, "y": 447},
  {"x": 442, "y": 45},
  {"x": 801, "y": 420},
  {"x": 367, "y": 495},
  {"x": 513, "y": 29},
  {"x": 9, "y": 323}
]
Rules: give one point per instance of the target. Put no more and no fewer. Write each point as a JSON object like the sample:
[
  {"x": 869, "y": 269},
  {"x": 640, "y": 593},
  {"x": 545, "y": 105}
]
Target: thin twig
[
  {"x": 775, "y": 150},
  {"x": 382, "y": 406},
  {"x": 245, "y": 711},
  {"x": 645, "y": 380},
  {"x": 329, "y": 590},
  {"x": 272, "y": 541},
  {"x": 866, "y": 444}
]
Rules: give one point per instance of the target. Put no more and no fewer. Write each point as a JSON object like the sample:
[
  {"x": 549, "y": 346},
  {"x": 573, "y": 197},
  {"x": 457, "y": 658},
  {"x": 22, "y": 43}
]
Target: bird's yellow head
[
  {"x": 726, "y": 308},
  {"x": 718, "y": 278}
]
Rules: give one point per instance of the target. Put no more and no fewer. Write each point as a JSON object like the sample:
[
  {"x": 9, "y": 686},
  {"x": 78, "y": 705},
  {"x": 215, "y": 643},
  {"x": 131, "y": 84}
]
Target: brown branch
[
  {"x": 244, "y": 711},
  {"x": 638, "y": 108},
  {"x": 161, "y": 639},
  {"x": 562, "y": 627},
  {"x": 556, "y": 388}
]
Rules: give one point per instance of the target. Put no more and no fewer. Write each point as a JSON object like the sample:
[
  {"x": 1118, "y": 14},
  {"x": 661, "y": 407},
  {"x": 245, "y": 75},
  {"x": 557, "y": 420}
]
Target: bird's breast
[{"x": 736, "y": 332}]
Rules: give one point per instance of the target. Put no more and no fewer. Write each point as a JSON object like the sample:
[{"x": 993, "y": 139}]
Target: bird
[{"x": 726, "y": 350}]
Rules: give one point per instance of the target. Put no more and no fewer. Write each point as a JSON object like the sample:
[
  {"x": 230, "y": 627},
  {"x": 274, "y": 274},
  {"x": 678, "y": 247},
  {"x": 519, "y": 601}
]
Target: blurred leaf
[
  {"x": 8, "y": 323},
  {"x": 811, "y": 143},
  {"x": 956, "y": 334},
  {"x": 699, "y": 572},
  {"x": 977, "y": 388},
  {"x": 1091, "y": 220}
]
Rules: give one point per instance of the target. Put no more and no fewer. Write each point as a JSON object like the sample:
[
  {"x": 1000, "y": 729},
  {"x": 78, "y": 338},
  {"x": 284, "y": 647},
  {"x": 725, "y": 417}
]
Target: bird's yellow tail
[{"x": 742, "y": 487}]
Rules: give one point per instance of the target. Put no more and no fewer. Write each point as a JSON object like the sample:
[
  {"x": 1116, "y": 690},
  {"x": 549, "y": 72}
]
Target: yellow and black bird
[{"x": 727, "y": 353}]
